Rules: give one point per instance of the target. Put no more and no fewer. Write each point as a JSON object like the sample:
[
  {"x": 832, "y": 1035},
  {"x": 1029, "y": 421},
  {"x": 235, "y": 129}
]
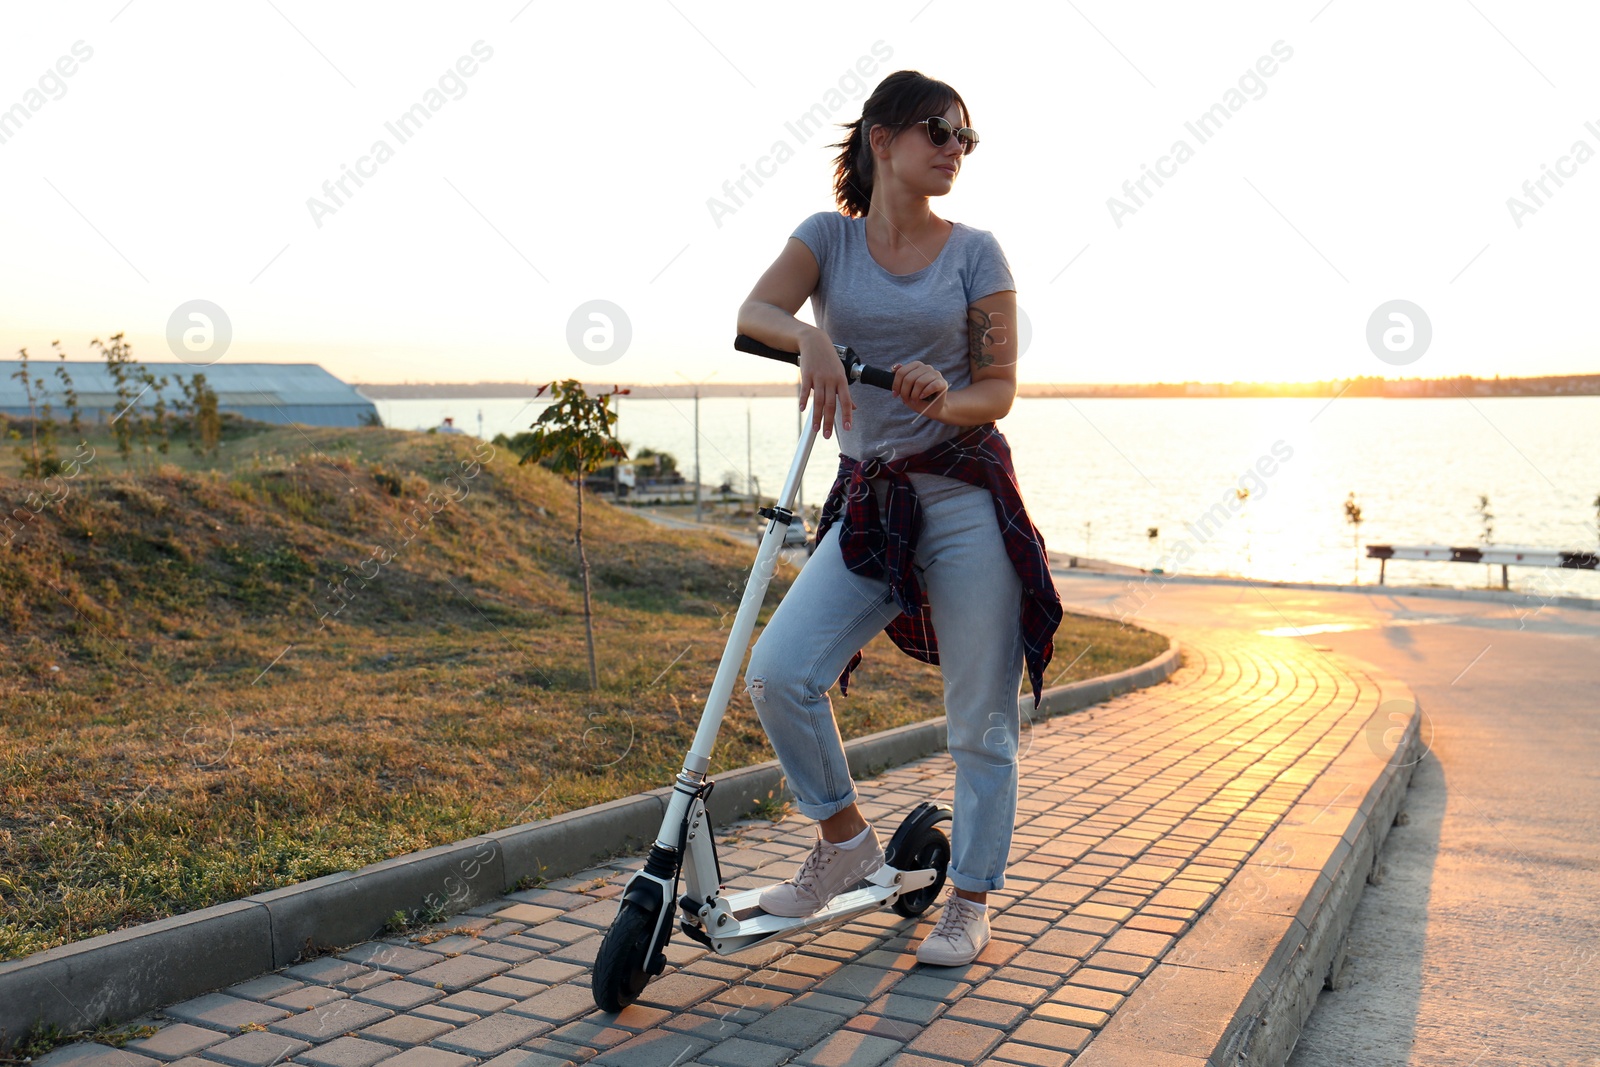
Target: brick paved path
[{"x": 1132, "y": 815}]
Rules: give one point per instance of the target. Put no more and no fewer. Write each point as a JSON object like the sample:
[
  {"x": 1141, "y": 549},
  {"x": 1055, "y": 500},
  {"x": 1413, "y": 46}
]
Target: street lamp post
[
  {"x": 696, "y": 451},
  {"x": 697, "y": 386}
]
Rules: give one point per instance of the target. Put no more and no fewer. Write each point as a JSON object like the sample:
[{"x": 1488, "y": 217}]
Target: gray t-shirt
[{"x": 896, "y": 318}]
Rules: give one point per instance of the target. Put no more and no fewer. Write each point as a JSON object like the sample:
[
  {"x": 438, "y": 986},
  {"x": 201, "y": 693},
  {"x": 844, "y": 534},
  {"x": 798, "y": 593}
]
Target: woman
[{"x": 925, "y": 499}]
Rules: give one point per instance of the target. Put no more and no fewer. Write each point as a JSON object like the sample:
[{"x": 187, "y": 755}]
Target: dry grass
[{"x": 179, "y": 730}]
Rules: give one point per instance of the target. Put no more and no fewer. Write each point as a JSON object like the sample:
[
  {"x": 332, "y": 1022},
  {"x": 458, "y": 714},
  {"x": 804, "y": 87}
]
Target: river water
[{"x": 1098, "y": 474}]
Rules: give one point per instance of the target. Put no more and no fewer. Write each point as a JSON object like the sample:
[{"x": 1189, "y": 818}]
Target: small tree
[
  {"x": 118, "y": 355},
  {"x": 155, "y": 425},
  {"x": 42, "y": 428},
  {"x": 666, "y": 464},
  {"x": 1352, "y": 515},
  {"x": 1243, "y": 496},
  {"x": 573, "y": 437},
  {"x": 1486, "y": 517},
  {"x": 74, "y": 417},
  {"x": 28, "y": 456},
  {"x": 206, "y": 416},
  {"x": 200, "y": 410}
]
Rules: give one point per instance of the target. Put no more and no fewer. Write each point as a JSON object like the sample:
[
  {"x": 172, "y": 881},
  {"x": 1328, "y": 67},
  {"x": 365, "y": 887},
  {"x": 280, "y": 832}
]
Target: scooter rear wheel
[{"x": 620, "y": 967}]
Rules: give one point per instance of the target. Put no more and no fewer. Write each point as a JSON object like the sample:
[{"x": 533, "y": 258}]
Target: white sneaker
[
  {"x": 960, "y": 935},
  {"x": 827, "y": 872}
]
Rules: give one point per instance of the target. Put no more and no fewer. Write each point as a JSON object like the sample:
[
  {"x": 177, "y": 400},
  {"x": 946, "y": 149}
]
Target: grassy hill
[{"x": 329, "y": 647}]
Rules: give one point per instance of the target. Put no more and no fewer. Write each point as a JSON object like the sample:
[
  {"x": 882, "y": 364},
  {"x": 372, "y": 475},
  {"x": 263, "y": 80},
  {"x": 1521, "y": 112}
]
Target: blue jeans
[{"x": 830, "y": 612}]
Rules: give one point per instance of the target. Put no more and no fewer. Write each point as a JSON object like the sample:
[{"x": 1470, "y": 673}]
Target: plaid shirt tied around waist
[{"x": 883, "y": 547}]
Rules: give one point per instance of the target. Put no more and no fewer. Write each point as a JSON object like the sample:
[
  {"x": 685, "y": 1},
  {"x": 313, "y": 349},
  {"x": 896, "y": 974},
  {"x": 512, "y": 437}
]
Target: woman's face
[{"x": 913, "y": 159}]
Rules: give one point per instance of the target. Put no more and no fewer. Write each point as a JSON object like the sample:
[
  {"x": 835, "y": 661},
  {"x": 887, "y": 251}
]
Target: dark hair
[{"x": 903, "y": 97}]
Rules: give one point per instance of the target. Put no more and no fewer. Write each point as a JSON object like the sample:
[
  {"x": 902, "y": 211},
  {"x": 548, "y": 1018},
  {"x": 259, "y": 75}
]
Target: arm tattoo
[{"x": 979, "y": 325}]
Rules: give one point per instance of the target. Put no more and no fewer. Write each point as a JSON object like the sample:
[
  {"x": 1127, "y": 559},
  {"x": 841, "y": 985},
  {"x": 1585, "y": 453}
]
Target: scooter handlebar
[{"x": 854, "y": 369}]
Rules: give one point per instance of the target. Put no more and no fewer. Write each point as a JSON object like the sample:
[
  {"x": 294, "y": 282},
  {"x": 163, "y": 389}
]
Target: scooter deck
[{"x": 749, "y": 926}]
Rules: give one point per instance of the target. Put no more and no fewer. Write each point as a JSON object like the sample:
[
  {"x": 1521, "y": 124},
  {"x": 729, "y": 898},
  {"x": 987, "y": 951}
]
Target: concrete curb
[
  {"x": 1509, "y": 597},
  {"x": 1238, "y": 987},
  {"x": 122, "y": 975}
]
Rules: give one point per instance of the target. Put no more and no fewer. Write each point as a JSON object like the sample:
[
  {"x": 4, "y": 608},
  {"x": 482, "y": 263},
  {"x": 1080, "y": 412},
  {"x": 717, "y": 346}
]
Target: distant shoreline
[{"x": 1398, "y": 389}]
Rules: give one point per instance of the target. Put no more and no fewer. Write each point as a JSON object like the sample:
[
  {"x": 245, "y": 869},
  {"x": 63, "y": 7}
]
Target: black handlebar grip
[
  {"x": 883, "y": 379},
  {"x": 746, "y": 343}
]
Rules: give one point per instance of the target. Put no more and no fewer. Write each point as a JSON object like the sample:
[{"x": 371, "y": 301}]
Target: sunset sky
[{"x": 594, "y": 152}]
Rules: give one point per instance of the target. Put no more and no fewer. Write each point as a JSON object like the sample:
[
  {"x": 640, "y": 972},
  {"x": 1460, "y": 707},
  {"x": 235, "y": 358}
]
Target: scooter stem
[{"x": 744, "y": 622}]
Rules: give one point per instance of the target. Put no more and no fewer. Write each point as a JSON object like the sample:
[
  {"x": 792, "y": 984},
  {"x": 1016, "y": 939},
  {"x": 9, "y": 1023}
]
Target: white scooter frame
[{"x": 685, "y": 846}]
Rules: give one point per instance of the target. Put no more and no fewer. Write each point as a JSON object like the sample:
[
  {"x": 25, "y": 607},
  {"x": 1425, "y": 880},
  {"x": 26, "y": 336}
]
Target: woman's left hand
[{"x": 920, "y": 388}]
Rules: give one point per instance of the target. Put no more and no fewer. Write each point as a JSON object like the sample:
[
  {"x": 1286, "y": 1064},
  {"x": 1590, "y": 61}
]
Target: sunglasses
[{"x": 939, "y": 131}]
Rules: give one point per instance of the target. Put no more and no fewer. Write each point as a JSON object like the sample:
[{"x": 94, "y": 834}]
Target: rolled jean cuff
[
  {"x": 823, "y": 811},
  {"x": 974, "y": 885}
]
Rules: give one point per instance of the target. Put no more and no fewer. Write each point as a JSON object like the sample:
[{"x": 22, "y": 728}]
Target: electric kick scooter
[{"x": 634, "y": 949}]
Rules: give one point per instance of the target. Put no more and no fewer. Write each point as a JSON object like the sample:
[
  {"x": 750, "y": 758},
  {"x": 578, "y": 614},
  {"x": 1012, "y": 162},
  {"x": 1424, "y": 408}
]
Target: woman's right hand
[{"x": 822, "y": 373}]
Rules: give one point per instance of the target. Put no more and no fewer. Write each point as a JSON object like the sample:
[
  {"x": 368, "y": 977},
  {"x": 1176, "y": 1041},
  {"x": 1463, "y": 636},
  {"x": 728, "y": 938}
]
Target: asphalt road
[{"x": 1481, "y": 944}]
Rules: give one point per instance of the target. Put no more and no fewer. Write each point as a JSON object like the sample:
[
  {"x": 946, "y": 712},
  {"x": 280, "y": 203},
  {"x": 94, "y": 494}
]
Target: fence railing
[{"x": 1506, "y": 556}]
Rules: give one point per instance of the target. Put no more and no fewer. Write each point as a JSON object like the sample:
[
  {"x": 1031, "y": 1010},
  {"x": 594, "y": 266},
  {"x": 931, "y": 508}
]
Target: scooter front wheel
[
  {"x": 917, "y": 845},
  {"x": 621, "y": 967}
]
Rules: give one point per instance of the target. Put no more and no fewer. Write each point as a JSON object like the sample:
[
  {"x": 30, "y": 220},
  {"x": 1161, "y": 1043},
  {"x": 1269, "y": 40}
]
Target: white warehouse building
[{"x": 280, "y": 393}]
